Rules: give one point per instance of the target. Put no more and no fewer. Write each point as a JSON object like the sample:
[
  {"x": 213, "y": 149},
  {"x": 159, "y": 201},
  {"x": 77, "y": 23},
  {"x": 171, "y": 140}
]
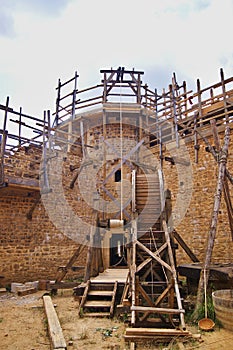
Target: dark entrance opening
[
  {"x": 117, "y": 250},
  {"x": 118, "y": 176}
]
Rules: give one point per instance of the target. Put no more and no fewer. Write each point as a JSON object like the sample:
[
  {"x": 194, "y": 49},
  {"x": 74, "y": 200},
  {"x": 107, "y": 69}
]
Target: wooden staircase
[
  {"x": 98, "y": 299},
  {"x": 99, "y": 296}
]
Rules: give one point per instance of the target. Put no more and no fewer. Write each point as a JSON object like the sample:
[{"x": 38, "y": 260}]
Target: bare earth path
[{"x": 23, "y": 326}]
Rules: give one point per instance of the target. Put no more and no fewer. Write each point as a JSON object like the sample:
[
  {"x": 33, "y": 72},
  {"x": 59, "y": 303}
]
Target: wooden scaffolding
[{"x": 152, "y": 287}]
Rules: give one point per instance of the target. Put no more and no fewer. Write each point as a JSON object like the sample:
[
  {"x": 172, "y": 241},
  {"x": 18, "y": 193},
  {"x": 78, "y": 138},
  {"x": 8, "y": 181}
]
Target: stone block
[{"x": 16, "y": 286}]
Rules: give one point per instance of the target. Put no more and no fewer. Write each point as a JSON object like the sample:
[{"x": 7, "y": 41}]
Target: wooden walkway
[{"x": 111, "y": 275}]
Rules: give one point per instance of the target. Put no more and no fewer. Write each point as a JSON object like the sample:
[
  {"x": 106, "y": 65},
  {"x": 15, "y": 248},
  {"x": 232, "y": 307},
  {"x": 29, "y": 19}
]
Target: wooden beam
[
  {"x": 33, "y": 207},
  {"x": 226, "y": 189},
  {"x": 156, "y": 331},
  {"x": 143, "y": 264},
  {"x": 159, "y": 310},
  {"x": 185, "y": 246},
  {"x": 55, "y": 331},
  {"x": 31, "y": 184},
  {"x": 154, "y": 256},
  {"x": 74, "y": 257}
]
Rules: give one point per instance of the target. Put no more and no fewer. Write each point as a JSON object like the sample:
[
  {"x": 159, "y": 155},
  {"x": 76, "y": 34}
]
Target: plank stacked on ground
[{"x": 55, "y": 331}]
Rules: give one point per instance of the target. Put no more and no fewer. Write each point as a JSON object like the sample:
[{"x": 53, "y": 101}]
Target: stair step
[
  {"x": 106, "y": 293},
  {"x": 97, "y": 303},
  {"x": 96, "y": 314}
]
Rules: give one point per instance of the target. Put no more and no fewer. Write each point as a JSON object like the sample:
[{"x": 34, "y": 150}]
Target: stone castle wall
[
  {"x": 34, "y": 249},
  {"x": 194, "y": 223}
]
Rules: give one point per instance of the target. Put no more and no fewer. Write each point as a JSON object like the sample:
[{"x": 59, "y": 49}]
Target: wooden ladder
[{"x": 98, "y": 299}]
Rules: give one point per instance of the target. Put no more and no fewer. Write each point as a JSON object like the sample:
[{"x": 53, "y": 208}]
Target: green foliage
[
  {"x": 107, "y": 332},
  {"x": 81, "y": 312}
]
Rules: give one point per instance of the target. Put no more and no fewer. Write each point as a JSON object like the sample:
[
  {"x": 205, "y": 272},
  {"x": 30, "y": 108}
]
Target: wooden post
[
  {"x": 133, "y": 270},
  {"x": 224, "y": 95},
  {"x": 214, "y": 220},
  {"x": 20, "y": 124},
  {"x": 226, "y": 190},
  {"x": 56, "y": 120},
  {"x": 3, "y": 144},
  {"x": 89, "y": 255},
  {"x": 174, "y": 276},
  {"x": 2, "y": 154}
]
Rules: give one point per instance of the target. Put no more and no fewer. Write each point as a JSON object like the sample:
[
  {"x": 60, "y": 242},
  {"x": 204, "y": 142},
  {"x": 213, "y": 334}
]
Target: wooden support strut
[
  {"x": 214, "y": 220},
  {"x": 184, "y": 246},
  {"x": 70, "y": 263},
  {"x": 226, "y": 190},
  {"x": 33, "y": 207},
  {"x": 215, "y": 155}
]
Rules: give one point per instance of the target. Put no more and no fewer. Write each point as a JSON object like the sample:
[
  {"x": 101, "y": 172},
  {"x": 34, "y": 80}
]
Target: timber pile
[{"x": 154, "y": 334}]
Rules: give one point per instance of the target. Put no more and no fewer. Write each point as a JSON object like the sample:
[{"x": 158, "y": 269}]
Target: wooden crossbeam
[
  {"x": 159, "y": 310},
  {"x": 154, "y": 256}
]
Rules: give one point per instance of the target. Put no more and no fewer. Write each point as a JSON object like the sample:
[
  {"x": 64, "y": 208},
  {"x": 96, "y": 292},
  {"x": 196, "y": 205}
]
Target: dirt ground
[{"x": 23, "y": 326}]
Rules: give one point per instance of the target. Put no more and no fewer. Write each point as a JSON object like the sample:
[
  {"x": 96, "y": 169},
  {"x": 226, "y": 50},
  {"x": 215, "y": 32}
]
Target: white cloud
[{"x": 159, "y": 37}]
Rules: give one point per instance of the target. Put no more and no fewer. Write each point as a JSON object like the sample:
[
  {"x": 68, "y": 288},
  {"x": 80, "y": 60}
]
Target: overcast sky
[{"x": 43, "y": 40}]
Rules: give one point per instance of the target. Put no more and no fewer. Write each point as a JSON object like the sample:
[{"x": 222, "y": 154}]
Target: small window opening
[
  {"x": 153, "y": 140},
  {"x": 118, "y": 176}
]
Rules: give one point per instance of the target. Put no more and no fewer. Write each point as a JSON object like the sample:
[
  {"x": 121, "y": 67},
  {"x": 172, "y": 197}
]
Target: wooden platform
[
  {"x": 220, "y": 275},
  {"x": 111, "y": 275}
]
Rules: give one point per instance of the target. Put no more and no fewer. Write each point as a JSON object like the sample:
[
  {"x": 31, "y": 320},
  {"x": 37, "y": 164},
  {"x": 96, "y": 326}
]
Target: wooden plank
[
  {"x": 159, "y": 310},
  {"x": 155, "y": 331},
  {"x": 54, "y": 327},
  {"x": 97, "y": 303},
  {"x": 132, "y": 346},
  {"x": 105, "y": 293},
  {"x": 27, "y": 184},
  {"x": 148, "y": 338}
]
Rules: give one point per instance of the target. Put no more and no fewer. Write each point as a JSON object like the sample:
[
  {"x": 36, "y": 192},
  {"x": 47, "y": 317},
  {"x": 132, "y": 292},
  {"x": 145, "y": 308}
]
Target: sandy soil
[{"x": 23, "y": 326}]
